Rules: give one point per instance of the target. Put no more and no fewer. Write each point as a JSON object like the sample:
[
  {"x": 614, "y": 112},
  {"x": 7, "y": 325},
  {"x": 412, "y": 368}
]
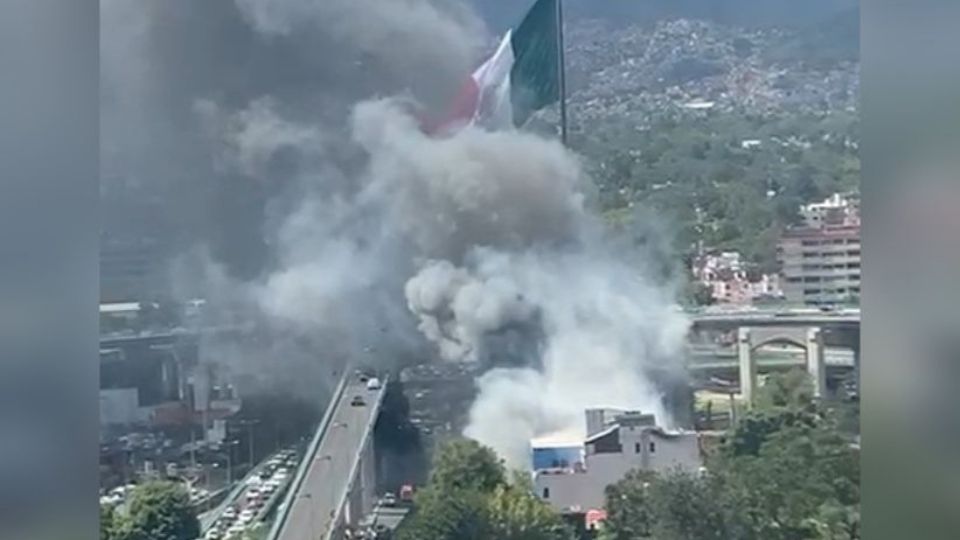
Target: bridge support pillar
[
  {"x": 816, "y": 367},
  {"x": 748, "y": 365}
]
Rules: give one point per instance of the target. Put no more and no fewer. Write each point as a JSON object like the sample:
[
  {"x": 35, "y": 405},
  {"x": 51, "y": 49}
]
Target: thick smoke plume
[{"x": 358, "y": 238}]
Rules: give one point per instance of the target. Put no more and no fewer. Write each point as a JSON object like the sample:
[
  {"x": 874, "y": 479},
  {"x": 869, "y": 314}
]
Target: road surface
[{"x": 315, "y": 504}]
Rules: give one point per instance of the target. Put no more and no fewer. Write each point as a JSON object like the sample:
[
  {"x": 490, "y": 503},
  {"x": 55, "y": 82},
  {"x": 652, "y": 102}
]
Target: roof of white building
[
  {"x": 120, "y": 307},
  {"x": 559, "y": 439}
]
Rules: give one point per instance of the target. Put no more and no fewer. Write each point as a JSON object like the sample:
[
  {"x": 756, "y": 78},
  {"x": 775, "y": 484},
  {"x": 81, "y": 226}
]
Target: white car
[
  {"x": 230, "y": 512},
  {"x": 373, "y": 383},
  {"x": 273, "y": 483},
  {"x": 246, "y": 516}
]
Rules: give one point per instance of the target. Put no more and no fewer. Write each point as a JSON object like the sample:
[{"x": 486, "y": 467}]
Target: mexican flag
[{"x": 521, "y": 77}]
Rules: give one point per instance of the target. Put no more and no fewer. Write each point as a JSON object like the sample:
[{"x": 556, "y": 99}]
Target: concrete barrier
[
  {"x": 308, "y": 457},
  {"x": 328, "y": 534}
]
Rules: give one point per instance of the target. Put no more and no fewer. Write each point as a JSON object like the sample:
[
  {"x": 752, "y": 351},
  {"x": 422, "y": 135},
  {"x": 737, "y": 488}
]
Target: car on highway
[
  {"x": 389, "y": 500},
  {"x": 357, "y": 401},
  {"x": 373, "y": 384},
  {"x": 246, "y": 516},
  {"x": 406, "y": 493},
  {"x": 230, "y": 512},
  {"x": 273, "y": 483}
]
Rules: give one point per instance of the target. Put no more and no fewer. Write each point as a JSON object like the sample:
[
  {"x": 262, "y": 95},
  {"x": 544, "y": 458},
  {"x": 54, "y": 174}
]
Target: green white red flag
[{"x": 521, "y": 77}]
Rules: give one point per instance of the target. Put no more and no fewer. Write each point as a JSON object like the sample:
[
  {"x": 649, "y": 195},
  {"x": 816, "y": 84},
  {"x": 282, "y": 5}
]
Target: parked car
[{"x": 389, "y": 500}]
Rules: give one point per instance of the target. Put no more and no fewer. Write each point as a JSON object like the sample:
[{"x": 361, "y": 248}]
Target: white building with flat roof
[
  {"x": 836, "y": 210},
  {"x": 628, "y": 441}
]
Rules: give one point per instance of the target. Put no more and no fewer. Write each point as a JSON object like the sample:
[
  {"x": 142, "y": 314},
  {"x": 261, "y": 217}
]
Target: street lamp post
[
  {"x": 230, "y": 445},
  {"x": 249, "y": 424}
]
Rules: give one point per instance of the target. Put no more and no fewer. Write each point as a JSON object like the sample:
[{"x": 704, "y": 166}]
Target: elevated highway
[
  {"x": 335, "y": 484},
  {"x": 723, "y": 358},
  {"x": 844, "y": 319}
]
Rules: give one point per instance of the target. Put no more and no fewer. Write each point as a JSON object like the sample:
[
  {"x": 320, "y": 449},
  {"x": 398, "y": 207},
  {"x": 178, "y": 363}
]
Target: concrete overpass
[
  {"x": 843, "y": 319},
  {"x": 726, "y": 358},
  {"x": 335, "y": 483},
  {"x": 754, "y": 331}
]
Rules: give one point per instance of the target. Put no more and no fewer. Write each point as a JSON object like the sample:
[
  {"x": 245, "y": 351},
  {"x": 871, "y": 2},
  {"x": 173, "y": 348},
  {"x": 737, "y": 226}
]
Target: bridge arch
[
  {"x": 808, "y": 339},
  {"x": 778, "y": 339}
]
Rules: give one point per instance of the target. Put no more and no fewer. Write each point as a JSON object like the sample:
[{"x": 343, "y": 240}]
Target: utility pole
[
  {"x": 561, "y": 68},
  {"x": 249, "y": 424},
  {"x": 230, "y": 445}
]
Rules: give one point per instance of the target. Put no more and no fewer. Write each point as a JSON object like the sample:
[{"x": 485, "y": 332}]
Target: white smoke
[
  {"x": 602, "y": 326},
  {"x": 383, "y": 243}
]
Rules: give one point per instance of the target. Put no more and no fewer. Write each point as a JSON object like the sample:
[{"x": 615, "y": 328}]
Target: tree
[
  {"x": 466, "y": 464},
  {"x": 519, "y": 515},
  {"x": 686, "y": 507},
  {"x": 468, "y": 498},
  {"x": 629, "y": 510},
  {"x": 786, "y": 473},
  {"x": 786, "y": 460},
  {"x": 452, "y": 514},
  {"x": 158, "y": 511},
  {"x": 109, "y": 522}
]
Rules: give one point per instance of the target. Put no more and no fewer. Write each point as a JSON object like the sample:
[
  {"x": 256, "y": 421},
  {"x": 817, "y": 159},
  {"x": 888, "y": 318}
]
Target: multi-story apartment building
[{"x": 821, "y": 266}]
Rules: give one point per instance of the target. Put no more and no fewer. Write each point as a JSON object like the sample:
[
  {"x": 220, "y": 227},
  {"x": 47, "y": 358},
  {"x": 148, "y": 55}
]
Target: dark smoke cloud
[
  {"x": 280, "y": 134},
  {"x": 162, "y": 59}
]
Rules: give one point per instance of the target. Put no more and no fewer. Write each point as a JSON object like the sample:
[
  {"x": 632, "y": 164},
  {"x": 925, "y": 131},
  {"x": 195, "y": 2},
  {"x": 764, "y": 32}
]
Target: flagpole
[{"x": 562, "y": 74}]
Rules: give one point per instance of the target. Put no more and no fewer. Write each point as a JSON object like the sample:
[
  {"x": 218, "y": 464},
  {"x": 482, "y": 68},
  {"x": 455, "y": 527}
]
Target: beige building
[
  {"x": 630, "y": 441},
  {"x": 821, "y": 266}
]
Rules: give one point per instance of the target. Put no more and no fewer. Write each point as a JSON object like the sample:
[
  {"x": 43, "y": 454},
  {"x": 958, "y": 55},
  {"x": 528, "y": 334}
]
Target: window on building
[
  {"x": 808, "y": 243},
  {"x": 793, "y": 280},
  {"x": 636, "y": 448},
  {"x": 853, "y": 265},
  {"x": 653, "y": 447},
  {"x": 854, "y": 253},
  {"x": 546, "y": 493}
]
